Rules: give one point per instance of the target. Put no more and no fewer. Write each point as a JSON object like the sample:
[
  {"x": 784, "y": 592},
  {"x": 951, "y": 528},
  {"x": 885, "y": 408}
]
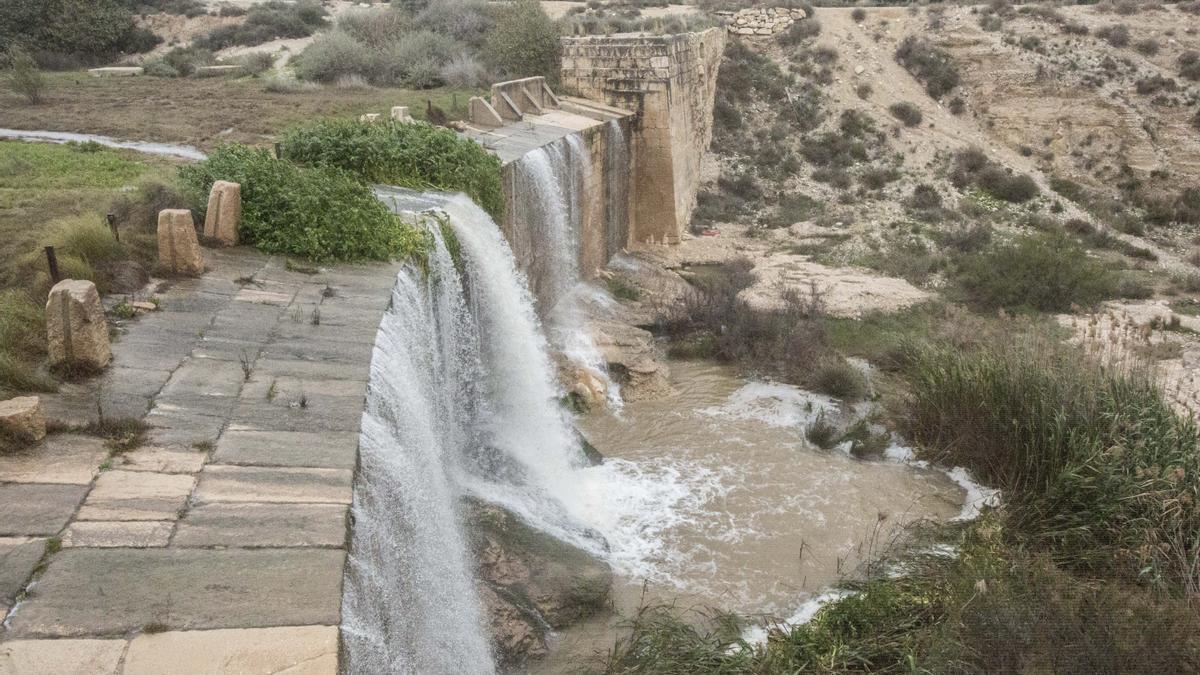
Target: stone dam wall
[{"x": 669, "y": 81}]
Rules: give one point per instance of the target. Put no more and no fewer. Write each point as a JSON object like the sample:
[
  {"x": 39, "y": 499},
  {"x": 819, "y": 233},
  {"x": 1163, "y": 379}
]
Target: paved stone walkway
[{"x": 217, "y": 546}]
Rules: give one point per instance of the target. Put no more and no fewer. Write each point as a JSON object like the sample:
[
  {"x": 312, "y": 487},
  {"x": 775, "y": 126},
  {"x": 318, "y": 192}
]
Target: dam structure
[{"x": 312, "y": 436}]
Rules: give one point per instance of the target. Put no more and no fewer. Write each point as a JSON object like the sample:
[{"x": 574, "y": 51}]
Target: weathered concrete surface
[
  {"x": 670, "y": 81},
  {"x": 233, "y": 512},
  {"x": 111, "y": 592},
  {"x": 76, "y": 331}
]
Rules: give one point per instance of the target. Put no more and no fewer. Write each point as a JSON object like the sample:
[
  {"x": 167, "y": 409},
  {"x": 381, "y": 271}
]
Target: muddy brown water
[{"x": 759, "y": 521}]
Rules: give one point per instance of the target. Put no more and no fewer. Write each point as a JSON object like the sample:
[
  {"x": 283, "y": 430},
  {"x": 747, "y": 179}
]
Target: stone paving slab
[
  {"x": 108, "y": 592},
  {"x": 221, "y": 483},
  {"x": 37, "y": 509},
  {"x": 301, "y": 650},
  {"x": 61, "y": 657},
  {"x": 273, "y": 525},
  {"x": 136, "y": 495},
  {"x": 18, "y": 558},
  {"x": 161, "y": 460},
  {"x": 114, "y": 534},
  {"x": 60, "y": 458},
  {"x": 331, "y": 449}
]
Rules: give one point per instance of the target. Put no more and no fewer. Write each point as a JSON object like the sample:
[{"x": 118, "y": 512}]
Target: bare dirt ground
[{"x": 204, "y": 112}]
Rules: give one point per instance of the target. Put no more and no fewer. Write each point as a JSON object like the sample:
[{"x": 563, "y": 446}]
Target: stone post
[
  {"x": 22, "y": 418},
  {"x": 224, "y": 213},
  {"x": 400, "y": 114},
  {"x": 75, "y": 327},
  {"x": 178, "y": 247}
]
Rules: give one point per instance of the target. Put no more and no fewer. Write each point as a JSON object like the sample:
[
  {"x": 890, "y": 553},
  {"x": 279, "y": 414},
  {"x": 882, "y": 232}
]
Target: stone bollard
[
  {"x": 224, "y": 213},
  {"x": 75, "y": 327},
  {"x": 178, "y": 247},
  {"x": 22, "y": 418},
  {"x": 400, "y": 114}
]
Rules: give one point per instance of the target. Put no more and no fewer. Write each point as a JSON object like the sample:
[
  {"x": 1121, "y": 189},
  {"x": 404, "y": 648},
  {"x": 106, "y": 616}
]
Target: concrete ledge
[{"x": 116, "y": 71}]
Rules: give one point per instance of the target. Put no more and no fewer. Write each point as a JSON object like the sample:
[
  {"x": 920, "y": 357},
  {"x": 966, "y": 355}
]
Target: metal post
[
  {"x": 52, "y": 263},
  {"x": 112, "y": 225}
]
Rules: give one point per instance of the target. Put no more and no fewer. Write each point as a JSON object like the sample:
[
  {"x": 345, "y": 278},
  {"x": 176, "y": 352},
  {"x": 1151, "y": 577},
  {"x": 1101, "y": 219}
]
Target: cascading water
[
  {"x": 616, "y": 189},
  {"x": 549, "y": 208},
  {"x": 462, "y": 401}
]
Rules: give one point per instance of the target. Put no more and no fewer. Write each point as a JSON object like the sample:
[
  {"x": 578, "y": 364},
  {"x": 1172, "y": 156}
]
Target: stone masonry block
[
  {"x": 178, "y": 248},
  {"x": 224, "y": 213},
  {"x": 22, "y": 418},
  {"x": 75, "y": 326}
]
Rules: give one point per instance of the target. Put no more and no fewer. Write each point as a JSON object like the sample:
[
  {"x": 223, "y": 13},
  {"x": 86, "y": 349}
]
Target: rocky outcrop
[
  {"x": 76, "y": 331},
  {"x": 632, "y": 359},
  {"x": 530, "y": 582},
  {"x": 21, "y": 418},
  {"x": 224, "y": 213}
]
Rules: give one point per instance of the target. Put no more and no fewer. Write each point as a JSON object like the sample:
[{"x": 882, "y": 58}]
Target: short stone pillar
[
  {"x": 22, "y": 418},
  {"x": 369, "y": 118},
  {"x": 224, "y": 213},
  {"x": 75, "y": 327},
  {"x": 178, "y": 248},
  {"x": 400, "y": 114}
]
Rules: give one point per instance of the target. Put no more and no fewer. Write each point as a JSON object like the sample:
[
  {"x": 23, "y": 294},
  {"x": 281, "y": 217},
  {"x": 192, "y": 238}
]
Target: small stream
[
  {"x": 751, "y": 518},
  {"x": 164, "y": 149}
]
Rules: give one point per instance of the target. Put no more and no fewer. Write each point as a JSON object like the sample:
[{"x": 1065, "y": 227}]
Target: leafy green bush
[
  {"x": 524, "y": 42},
  {"x": 322, "y": 213},
  {"x": 932, "y": 66},
  {"x": 1044, "y": 271},
  {"x": 415, "y": 155},
  {"x": 972, "y": 167}
]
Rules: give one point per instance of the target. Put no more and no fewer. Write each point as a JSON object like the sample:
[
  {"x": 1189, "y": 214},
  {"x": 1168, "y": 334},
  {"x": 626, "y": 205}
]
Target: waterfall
[
  {"x": 618, "y": 175},
  {"x": 549, "y": 214},
  {"x": 462, "y": 401}
]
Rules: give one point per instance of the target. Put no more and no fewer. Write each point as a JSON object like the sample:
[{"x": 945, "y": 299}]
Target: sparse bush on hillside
[
  {"x": 524, "y": 42},
  {"x": 324, "y": 213},
  {"x": 1045, "y": 271},
  {"x": 800, "y": 32},
  {"x": 932, "y": 66},
  {"x": 1146, "y": 47},
  {"x": 1155, "y": 84},
  {"x": 268, "y": 21},
  {"x": 179, "y": 61},
  {"x": 1189, "y": 65},
  {"x": 906, "y": 112},
  {"x": 858, "y": 14},
  {"x": 1116, "y": 35},
  {"x": 971, "y": 167}
]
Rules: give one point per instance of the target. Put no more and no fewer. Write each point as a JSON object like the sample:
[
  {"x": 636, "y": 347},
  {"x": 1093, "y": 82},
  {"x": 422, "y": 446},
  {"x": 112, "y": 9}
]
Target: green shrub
[
  {"x": 524, "y": 42},
  {"x": 322, "y": 213},
  {"x": 972, "y": 167},
  {"x": 268, "y": 21},
  {"x": 1189, "y": 65},
  {"x": 85, "y": 28},
  {"x": 932, "y": 66},
  {"x": 23, "y": 77},
  {"x": 1043, "y": 271},
  {"x": 906, "y": 112},
  {"x": 418, "y": 155}
]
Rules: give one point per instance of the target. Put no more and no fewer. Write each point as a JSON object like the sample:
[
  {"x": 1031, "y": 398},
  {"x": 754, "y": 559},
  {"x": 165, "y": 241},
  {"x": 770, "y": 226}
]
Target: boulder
[
  {"x": 22, "y": 418},
  {"x": 76, "y": 331},
  {"x": 178, "y": 247},
  {"x": 533, "y": 582},
  {"x": 224, "y": 213}
]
